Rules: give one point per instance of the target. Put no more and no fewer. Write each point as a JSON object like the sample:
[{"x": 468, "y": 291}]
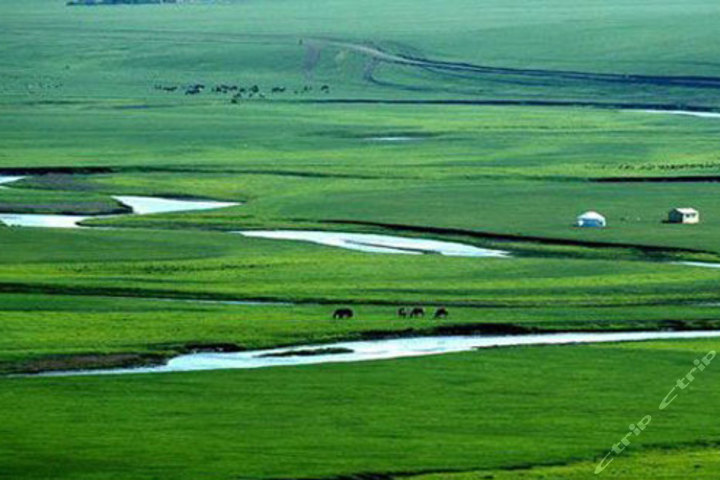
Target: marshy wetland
[{"x": 243, "y": 169}]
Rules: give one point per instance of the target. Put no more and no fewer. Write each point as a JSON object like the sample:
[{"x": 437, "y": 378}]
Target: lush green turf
[
  {"x": 230, "y": 266},
  {"x": 696, "y": 463},
  {"x": 57, "y": 331},
  {"x": 467, "y": 174},
  {"x": 492, "y": 409},
  {"x": 37, "y": 201},
  {"x": 85, "y": 88},
  {"x": 92, "y": 53}
]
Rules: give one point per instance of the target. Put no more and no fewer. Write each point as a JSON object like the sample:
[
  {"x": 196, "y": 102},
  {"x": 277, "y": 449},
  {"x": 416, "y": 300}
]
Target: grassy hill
[{"x": 608, "y": 51}]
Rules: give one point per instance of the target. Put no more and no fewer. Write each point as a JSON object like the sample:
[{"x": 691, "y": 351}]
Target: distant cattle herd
[
  {"x": 403, "y": 312},
  {"x": 240, "y": 92}
]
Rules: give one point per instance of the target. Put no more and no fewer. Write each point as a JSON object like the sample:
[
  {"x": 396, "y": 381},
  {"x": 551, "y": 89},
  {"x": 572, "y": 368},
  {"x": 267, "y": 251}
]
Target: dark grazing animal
[
  {"x": 194, "y": 89},
  {"x": 343, "y": 313},
  {"x": 417, "y": 312},
  {"x": 403, "y": 313},
  {"x": 441, "y": 313}
]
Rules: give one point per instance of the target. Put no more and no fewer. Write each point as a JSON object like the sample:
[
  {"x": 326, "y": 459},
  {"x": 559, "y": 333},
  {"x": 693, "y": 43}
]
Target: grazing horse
[
  {"x": 343, "y": 313},
  {"x": 441, "y": 313},
  {"x": 417, "y": 312},
  {"x": 403, "y": 313}
]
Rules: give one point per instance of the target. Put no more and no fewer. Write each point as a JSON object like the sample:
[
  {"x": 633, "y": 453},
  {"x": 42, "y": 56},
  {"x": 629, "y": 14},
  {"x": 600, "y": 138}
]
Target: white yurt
[{"x": 591, "y": 219}]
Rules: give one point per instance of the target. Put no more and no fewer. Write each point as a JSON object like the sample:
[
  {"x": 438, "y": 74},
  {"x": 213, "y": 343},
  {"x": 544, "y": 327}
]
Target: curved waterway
[
  {"x": 149, "y": 205},
  {"x": 699, "y": 264},
  {"x": 394, "y": 139},
  {"x": 7, "y": 179},
  {"x": 369, "y": 243},
  {"x": 686, "y": 113},
  {"x": 139, "y": 206},
  {"x": 43, "y": 220},
  {"x": 372, "y": 243},
  {"x": 363, "y": 351}
]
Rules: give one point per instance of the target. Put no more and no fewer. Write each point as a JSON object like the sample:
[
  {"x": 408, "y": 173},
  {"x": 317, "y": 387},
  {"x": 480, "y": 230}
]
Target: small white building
[
  {"x": 683, "y": 215},
  {"x": 591, "y": 219}
]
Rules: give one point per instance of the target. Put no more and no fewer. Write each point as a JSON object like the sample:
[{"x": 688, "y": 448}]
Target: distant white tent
[{"x": 591, "y": 219}]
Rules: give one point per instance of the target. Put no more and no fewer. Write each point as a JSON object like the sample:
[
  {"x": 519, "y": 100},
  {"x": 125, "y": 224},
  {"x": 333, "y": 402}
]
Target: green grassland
[
  {"x": 39, "y": 201},
  {"x": 59, "y": 332},
  {"x": 466, "y": 169},
  {"x": 496, "y": 409},
  {"x": 697, "y": 463},
  {"x": 228, "y": 266},
  {"x": 98, "y": 55},
  {"x": 93, "y": 104}
]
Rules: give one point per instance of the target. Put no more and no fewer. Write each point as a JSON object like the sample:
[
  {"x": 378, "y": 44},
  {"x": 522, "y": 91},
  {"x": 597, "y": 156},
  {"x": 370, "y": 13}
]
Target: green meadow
[
  {"x": 490, "y": 123},
  {"x": 490, "y": 410}
]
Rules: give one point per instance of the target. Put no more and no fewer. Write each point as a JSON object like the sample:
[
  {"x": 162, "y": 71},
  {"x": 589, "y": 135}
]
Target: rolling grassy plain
[
  {"x": 495, "y": 409},
  {"x": 493, "y": 123}
]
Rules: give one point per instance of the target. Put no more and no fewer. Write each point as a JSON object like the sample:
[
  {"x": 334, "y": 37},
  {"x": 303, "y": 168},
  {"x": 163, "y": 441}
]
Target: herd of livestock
[
  {"x": 239, "y": 92},
  {"x": 415, "y": 312}
]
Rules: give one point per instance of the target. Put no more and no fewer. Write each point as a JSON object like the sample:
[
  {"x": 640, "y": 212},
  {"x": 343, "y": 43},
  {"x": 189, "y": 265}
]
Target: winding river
[
  {"x": 363, "y": 242},
  {"x": 362, "y": 351},
  {"x": 342, "y": 352},
  {"x": 699, "y": 264},
  {"x": 369, "y": 243},
  {"x": 139, "y": 205},
  {"x": 686, "y": 113},
  {"x": 372, "y": 243}
]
